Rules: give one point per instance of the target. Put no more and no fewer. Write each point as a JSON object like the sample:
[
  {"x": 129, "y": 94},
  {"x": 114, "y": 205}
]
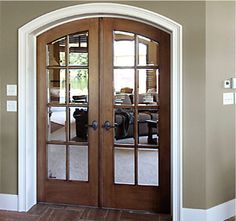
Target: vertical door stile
[
  {"x": 136, "y": 129},
  {"x": 100, "y": 142}
]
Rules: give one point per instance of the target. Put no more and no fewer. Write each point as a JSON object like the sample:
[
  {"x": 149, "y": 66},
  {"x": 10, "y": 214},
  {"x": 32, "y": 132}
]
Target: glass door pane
[
  {"x": 135, "y": 109},
  {"x": 78, "y": 49},
  {"x": 68, "y": 80},
  {"x": 78, "y": 157},
  {"x": 56, "y": 161},
  {"x": 56, "y": 51}
]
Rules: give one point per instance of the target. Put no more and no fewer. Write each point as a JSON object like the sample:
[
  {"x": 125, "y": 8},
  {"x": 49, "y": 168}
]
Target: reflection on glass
[
  {"x": 56, "y": 161},
  {"x": 56, "y": 85},
  {"x": 148, "y": 127},
  {"x": 123, "y": 48},
  {"x": 124, "y": 86},
  {"x": 57, "y": 123},
  {"x": 124, "y": 165},
  {"x": 78, "y": 79},
  {"x": 148, "y": 86},
  {"x": 148, "y": 51},
  {"x": 78, "y": 156},
  {"x": 79, "y": 124},
  {"x": 56, "y": 52},
  {"x": 148, "y": 167},
  {"x": 78, "y": 49},
  {"x": 72, "y": 124},
  {"x": 124, "y": 130}
]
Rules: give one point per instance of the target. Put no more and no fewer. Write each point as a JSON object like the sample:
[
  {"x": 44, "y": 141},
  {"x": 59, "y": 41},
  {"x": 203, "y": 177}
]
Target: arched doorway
[
  {"x": 27, "y": 91},
  {"x": 104, "y": 115}
]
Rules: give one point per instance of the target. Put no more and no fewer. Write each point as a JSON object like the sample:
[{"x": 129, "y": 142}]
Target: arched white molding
[{"x": 27, "y": 112}]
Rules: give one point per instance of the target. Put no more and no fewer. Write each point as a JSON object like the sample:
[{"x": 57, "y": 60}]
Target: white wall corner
[
  {"x": 217, "y": 213},
  {"x": 8, "y": 202}
]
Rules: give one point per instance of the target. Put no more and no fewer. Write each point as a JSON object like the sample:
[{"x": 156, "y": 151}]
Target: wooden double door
[{"x": 104, "y": 115}]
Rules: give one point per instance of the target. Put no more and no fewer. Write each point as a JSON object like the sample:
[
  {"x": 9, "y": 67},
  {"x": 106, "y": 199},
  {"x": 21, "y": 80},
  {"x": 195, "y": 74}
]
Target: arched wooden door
[{"x": 104, "y": 115}]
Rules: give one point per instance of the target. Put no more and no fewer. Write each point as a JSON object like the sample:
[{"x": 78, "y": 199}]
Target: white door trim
[{"x": 27, "y": 114}]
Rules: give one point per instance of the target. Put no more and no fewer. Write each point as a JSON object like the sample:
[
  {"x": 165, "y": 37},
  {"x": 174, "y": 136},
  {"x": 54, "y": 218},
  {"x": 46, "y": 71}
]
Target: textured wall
[
  {"x": 192, "y": 16},
  {"x": 220, "y": 120}
]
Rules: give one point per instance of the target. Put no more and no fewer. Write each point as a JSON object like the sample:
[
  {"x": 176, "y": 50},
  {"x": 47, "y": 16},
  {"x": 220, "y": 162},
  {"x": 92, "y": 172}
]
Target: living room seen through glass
[{"x": 136, "y": 106}]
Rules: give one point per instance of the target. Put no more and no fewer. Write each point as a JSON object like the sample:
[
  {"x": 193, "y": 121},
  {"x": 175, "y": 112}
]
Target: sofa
[
  {"x": 124, "y": 121},
  {"x": 124, "y": 118}
]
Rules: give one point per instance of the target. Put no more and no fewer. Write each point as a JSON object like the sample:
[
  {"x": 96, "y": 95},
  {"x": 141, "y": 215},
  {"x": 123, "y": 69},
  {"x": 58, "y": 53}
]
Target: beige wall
[
  {"x": 220, "y": 120},
  {"x": 191, "y": 15},
  {"x": 0, "y": 94},
  {"x": 14, "y": 15},
  {"x": 196, "y": 125}
]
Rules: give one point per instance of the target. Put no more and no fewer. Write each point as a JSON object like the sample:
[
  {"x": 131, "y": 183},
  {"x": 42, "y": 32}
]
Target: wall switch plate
[
  {"x": 11, "y": 106},
  {"x": 228, "y": 98},
  {"x": 227, "y": 83},
  {"x": 11, "y": 90}
]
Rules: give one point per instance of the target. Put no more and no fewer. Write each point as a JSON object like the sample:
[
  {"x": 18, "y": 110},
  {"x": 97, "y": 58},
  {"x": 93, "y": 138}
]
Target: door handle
[
  {"x": 94, "y": 125},
  {"x": 107, "y": 125}
]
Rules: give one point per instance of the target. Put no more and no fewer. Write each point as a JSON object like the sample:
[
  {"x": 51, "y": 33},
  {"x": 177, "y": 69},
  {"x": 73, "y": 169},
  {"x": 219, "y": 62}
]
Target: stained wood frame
[
  {"x": 60, "y": 191},
  {"x": 121, "y": 191},
  {"x": 136, "y": 196}
]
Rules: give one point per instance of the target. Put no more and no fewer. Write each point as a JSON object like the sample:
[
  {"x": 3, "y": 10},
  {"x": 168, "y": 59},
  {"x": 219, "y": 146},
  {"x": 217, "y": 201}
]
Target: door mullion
[
  {"x": 136, "y": 125},
  {"x": 101, "y": 132},
  {"x": 67, "y": 91}
]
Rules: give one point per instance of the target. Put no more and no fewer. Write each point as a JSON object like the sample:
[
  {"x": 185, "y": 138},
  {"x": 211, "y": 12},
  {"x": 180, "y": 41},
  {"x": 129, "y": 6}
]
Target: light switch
[
  {"x": 228, "y": 98},
  {"x": 227, "y": 83},
  {"x": 11, "y": 90},
  {"x": 11, "y": 106}
]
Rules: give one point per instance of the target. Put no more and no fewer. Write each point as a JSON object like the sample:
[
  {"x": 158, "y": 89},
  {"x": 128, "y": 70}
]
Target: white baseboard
[
  {"x": 8, "y": 202},
  {"x": 217, "y": 213},
  {"x": 193, "y": 214},
  {"x": 222, "y": 212}
]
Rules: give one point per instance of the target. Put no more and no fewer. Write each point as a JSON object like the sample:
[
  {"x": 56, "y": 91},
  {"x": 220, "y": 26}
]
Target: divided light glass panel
[
  {"x": 124, "y": 130},
  {"x": 56, "y": 156},
  {"x": 148, "y": 86},
  {"x": 57, "y": 124},
  {"x": 78, "y": 158},
  {"x": 148, "y": 127},
  {"x": 124, "y": 86},
  {"x": 124, "y": 166},
  {"x": 148, "y": 51},
  {"x": 56, "y": 51},
  {"x": 135, "y": 78},
  {"x": 124, "y": 48},
  {"x": 78, "y": 49},
  {"x": 148, "y": 169},
  {"x": 78, "y": 89},
  {"x": 67, "y": 85},
  {"x": 78, "y": 124},
  {"x": 56, "y": 86}
]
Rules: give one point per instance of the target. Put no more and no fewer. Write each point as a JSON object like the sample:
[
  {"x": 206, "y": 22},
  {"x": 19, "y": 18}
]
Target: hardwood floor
[{"x": 51, "y": 212}]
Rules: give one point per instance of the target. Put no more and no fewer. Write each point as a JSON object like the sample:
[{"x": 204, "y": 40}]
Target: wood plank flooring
[{"x": 52, "y": 212}]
